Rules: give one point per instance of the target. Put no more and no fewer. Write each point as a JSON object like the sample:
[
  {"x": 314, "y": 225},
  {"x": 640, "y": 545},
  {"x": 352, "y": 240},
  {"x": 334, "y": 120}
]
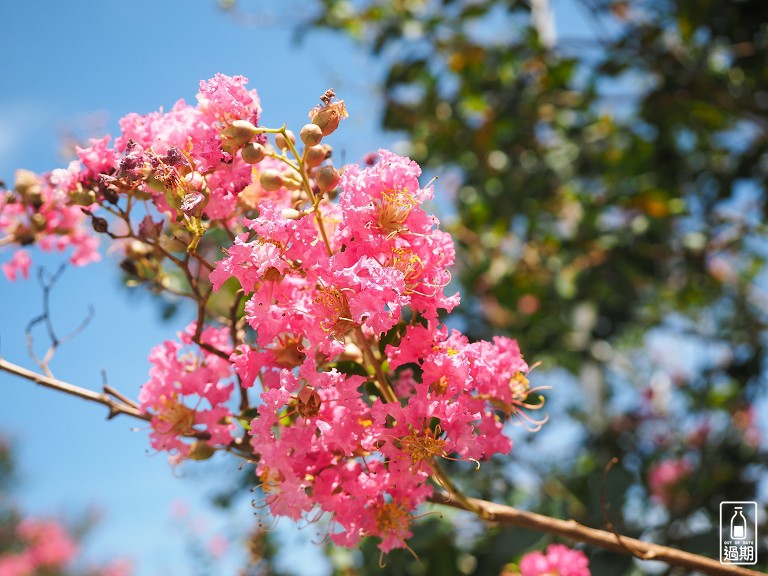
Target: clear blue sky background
[{"x": 59, "y": 62}]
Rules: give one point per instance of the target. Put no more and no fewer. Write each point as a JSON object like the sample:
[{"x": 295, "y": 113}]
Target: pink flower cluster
[
  {"x": 46, "y": 547},
  {"x": 187, "y": 392},
  {"x": 159, "y": 155},
  {"x": 559, "y": 560},
  {"x": 38, "y": 211},
  {"x": 321, "y": 443},
  {"x": 349, "y": 388},
  {"x": 164, "y": 153},
  {"x": 666, "y": 479}
]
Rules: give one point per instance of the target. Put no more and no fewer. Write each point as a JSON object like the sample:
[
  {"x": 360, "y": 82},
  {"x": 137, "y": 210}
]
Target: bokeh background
[{"x": 603, "y": 169}]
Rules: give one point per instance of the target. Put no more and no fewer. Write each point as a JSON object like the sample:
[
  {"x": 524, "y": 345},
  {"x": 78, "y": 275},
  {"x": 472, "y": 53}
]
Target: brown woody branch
[
  {"x": 571, "y": 529},
  {"x": 490, "y": 511},
  {"x": 116, "y": 406}
]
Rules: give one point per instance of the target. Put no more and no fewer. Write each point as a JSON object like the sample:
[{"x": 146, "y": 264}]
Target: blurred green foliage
[{"x": 610, "y": 213}]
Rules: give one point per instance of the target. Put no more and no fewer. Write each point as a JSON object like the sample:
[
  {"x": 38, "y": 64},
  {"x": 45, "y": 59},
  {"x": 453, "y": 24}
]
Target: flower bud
[
  {"x": 291, "y": 183},
  {"x": 129, "y": 267},
  {"x": 351, "y": 353},
  {"x": 136, "y": 249},
  {"x": 327, "y": 178},
  {"x": 201, "y": 450},
  {"x": 39, "y": 222},
  {"x": 291, "y": 214},
  {"x": 237, "y": 134},
  {"x": 271, "y": 179},
  {"x": 27, "y": 184},
  {"x": 195, "y": 181},
  {"x": 272, "y": 274},
  {"x": 311, "y": 134},
  {"x": 281, "y": 142},
  {"x": 110, "y": 194},
  {"x": 82, "y": 197},
  {"x": 150, "y": 229},
  {"x": 99, "y": 224},
  {"x": 192, "y": 204},
  {"x": 253, "y": 153},
  {"x": 328, "y": 117},
  {"x": 316, "y": 155}
]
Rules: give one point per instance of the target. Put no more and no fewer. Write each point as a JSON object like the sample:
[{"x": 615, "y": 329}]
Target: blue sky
[{"x": 60, "y": 63}]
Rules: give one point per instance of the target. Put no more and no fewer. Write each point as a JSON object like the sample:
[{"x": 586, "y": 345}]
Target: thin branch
[
  {"x": 571, "y": 529},
  {"x": 122, "y": 405},
  {"x": 490, "y": 511},
  {"x": 115, "y": 407},
  {"x": 112, "y": 392},
  {"x": 605, "y": 506},
  {"x": 47, "y": 284}
]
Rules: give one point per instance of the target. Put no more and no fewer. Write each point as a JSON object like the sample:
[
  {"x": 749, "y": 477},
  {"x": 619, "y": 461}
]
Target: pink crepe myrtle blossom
[
  {"x": 116, "y": 567},
  {"x": 37, "y": 211},
  {"x": 19, "y": 264},
  {"x": 188, "y": 391},
  {"x": 308, "y": 300},
  {"x": 666, "y": 481},
  {"x": 558, "y": 560},
  {"x": 322, "y": 356},
  {"x": 46, "y": 546}
]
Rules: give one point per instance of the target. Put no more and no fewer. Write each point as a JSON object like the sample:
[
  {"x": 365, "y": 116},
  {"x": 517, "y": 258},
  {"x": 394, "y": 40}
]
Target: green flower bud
[
  {"x": 201, "y": 450},
  {"x": 82, "y": 197}
]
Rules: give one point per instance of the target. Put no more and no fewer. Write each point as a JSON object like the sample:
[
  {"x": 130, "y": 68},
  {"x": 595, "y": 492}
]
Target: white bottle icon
[{"x": 738, "y": 525}]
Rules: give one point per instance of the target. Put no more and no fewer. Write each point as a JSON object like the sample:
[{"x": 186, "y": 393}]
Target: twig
[
  {"x": 115, "y": 407},
  {"x": 571, "y": 529},
  {"x": 112, "y": 392},
  {"x": 47, "y": 284},
  {"x": 490, "y": 511},
  {"x": 604, "y": 506}
]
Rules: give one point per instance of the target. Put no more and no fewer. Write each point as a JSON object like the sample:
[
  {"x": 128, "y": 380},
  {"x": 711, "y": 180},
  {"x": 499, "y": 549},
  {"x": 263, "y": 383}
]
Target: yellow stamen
[
  {"x": 393, "y": 210},
  {"x": 338, "y": 320},
  {"x": 423, "y": 446},
  {"x": 392, "y": 517},
  {"x": 179, "y": 418},
  {"x": 409, "y": 264}
]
